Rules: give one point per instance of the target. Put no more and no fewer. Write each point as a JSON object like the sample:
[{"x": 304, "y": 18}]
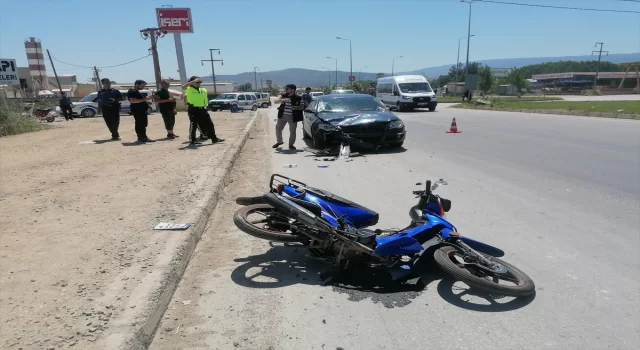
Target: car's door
[
  {"x": 254, "y": 100},
  {"x": 242, "y": 100},
  {"x": 309, "y": 117}
]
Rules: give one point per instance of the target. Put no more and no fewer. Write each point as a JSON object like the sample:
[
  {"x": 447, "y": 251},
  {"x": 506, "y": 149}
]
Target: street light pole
[
  {"x": 458, "y": 59},
  {"x": 466, "y": 69},
  {"x": 331, "y": 58},
  {"x": 393, "y": 64},
  {"x": 255, "y": 77},
  {"x": 328, "y": 71},
  {"x": 350, "y": 56},
  {"x": 360, "y": 77}
]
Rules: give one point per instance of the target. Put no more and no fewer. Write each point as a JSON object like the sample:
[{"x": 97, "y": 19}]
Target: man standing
[
  {"x": 139, "y": 108},
  {"x": 306, "y": 97},
  {"x": 197, "y": 109},
  {"x": 167, "y": 106},
  {"x": 65, "y": 107},
  {"x": 109, "y": 101},
  {"x": 289, "y": 112}
]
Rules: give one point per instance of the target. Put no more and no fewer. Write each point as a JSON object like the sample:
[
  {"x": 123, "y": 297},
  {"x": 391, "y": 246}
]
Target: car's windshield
[
  {"x": 348, "y": 104},
  {"x": 226, "y": 97},
  {"x": 415, "y": 87},
  {"x": 88, "y": 98}
]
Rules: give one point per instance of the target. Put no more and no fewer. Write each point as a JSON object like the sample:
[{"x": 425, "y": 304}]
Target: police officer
[
  {"x": 109, "y": 101},
  {"x": 167, "y": 105},
  {"x": 140, "y": 108},
  {"x": 65, "y": 107},
  {"x": 196, "y": 97}
]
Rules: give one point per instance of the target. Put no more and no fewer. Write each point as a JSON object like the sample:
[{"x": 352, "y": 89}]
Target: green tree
[
  {"x": 486, "y": 80},
  {"x": 517, "y": 78}
]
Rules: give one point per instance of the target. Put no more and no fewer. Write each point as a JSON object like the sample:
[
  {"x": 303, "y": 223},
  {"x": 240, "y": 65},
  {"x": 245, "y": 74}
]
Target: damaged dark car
[{"x": 359, "y": 116}]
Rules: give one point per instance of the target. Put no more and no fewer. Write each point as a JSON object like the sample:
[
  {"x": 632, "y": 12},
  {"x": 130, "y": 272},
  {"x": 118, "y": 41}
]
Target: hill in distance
[{"x": 308, "y": 77}]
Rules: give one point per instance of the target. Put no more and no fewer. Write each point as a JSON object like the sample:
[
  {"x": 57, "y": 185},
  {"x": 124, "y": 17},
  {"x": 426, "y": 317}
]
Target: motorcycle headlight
[
  {"x": 396, "y": 124},
  {"x": 406, "y": 97}
]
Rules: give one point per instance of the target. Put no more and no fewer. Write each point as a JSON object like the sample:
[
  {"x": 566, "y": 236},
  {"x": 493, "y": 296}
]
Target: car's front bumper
[{"x": 387, "y": 136}]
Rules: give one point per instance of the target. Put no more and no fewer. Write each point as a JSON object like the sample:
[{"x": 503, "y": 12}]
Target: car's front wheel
[
  {"x": 431, "y": 109},
  {"x": 254, "y": 108},
  {"x": 265, "y": 105}
]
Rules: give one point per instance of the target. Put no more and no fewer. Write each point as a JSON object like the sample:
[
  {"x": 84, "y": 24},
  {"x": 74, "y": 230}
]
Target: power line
[
  {"x": 557, "y": 7},
  {"x": 116, "y": 65},
  {"x": 630, "y": 0}
]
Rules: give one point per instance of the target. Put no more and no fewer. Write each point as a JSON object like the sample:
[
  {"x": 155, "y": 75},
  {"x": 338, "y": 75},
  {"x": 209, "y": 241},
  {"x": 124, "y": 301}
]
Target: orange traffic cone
[{"x": 454, "y": 128}]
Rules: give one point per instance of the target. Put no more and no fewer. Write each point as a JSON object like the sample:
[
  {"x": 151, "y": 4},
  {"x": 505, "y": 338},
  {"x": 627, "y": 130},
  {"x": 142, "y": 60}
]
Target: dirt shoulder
[{"x": 76, "y": 233}]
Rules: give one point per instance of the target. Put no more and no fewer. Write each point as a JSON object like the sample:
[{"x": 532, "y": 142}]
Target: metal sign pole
[{"x": 180, "y": 55}]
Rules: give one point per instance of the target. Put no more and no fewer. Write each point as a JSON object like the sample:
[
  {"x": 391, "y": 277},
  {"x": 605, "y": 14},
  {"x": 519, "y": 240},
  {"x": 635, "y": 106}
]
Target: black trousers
[
  {"x": 67, "y": 112},
  {"x": 112, "y": 119},
  {"x": 200, "y": 119},
  {"x": 169, "y": 117},
  {"x": 142, "y": 121}
]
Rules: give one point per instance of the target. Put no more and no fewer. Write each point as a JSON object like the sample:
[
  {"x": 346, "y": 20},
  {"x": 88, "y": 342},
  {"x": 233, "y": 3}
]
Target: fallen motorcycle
[
  {"x": 334, "y": 229},
  {"x": 47, "y": 114}
]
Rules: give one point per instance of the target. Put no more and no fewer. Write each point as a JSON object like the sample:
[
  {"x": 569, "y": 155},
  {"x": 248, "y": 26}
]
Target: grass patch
[
  {"x": 12, "y": 122},
  {"x": 452, "y": 99},
  {"x": 623, "y": 107}
]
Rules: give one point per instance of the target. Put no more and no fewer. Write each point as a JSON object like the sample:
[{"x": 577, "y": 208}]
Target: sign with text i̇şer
[{"x": 175, "y": 20}]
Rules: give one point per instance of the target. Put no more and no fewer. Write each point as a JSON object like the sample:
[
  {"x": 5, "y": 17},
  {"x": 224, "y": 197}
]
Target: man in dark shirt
[
  {"x": 139, "y": 108},
  {"x": 167, "y": 106},
  {"x": 306, "y": 97},
  {"x": 65, "y": 107},
  {"x": 109, "y": 101}
]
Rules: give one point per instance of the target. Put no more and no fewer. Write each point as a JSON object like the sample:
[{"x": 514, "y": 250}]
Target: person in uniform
[
  {"x": 167, "y": 105},
  {"x": 65, "y": 107},
  {"x": 197, "y": 103},
  {"x": 109, "y": 102},
  {"x": 140, "y": 108}
]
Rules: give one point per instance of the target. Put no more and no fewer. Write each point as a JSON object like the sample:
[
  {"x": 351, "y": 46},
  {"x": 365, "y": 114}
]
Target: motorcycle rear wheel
[
  {"x": 270, "y": 229},
  {"x": 524, "y": 286}
]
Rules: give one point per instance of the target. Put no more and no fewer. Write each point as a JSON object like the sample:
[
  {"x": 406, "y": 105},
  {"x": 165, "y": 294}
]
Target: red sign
[
  {"x": 175, "y": 20},
  {"x": 352, "y": 78}
]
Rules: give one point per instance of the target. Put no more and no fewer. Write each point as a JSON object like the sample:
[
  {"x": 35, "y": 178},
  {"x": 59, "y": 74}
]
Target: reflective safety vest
[{"x": 197, "y": 97}]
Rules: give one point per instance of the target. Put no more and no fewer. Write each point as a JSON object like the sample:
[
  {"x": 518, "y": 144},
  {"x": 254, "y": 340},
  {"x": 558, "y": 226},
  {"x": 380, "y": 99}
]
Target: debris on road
[{"x": 170, "y": 226}]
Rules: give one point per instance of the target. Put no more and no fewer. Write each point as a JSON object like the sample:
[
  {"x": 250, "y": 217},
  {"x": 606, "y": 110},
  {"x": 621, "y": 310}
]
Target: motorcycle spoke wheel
[
  {"x": 503, "y": 279},
  {"x": 265, "y": 222}
]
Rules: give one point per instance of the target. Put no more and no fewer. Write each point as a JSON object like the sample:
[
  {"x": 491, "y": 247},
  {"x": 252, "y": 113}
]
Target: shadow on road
[
  {"x": 284, "y": 266},
  {"x": 477, "y": 300}
]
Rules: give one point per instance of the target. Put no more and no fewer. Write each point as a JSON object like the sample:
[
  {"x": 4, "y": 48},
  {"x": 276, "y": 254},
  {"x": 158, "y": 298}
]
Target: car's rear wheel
[
  {"x": 265, "y": 105},
  {"x": 88, "y": 113},
  {"x": 254, "y": 108}
]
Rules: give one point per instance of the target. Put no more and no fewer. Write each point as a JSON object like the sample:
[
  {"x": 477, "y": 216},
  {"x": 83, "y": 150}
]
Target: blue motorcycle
[{"x": 334, "y": 229}]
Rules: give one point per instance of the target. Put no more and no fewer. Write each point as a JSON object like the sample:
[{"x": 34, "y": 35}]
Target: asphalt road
[{"x": 560, "y": 194}]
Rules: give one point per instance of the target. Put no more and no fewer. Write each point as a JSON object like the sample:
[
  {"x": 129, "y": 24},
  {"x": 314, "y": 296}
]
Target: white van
[
  {"x": 233, "y": 100},
  {"x": 88, "y": 108},
  {"x": 405, "y": 92}
]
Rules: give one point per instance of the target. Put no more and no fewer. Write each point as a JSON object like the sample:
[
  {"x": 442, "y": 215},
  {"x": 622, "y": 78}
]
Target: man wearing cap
[
  {"x": 109, "y": 101},
  {"x": 197, "y": 103},
  {"x": 167, "y": 105},
  {"x": 289, "y": 112},
  {"x": 140, "y": 108}
]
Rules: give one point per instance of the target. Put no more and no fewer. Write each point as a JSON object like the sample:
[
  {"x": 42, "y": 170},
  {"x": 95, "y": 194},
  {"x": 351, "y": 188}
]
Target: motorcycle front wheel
[
  {"x": 515, "y": 283},
  {"x": 268, "y": 224}
]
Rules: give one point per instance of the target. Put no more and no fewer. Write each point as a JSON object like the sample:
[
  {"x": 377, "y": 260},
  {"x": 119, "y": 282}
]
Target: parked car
[
  {"x": 264, "y": 99},
  {"x": 234, "y": 100},
  {"x": 359, "y": 116},
  {"x": 315, "y": 94},
  {"x": 338, "y": 92},
  {"x": 406, "y": 92},
  {"x": 87, "y": 107}
]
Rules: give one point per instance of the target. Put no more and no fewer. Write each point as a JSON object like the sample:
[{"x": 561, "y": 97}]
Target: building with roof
[{"x": 608, "y": 82}]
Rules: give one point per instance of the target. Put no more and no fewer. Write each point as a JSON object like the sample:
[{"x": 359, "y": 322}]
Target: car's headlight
[
  {"x": 396, "y": 124},
  {"x": 406, "y": 97}
]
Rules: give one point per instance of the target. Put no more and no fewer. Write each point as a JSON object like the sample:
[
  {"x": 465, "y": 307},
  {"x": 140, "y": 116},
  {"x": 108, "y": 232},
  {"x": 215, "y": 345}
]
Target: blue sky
[{"x": 277, "y": 34}]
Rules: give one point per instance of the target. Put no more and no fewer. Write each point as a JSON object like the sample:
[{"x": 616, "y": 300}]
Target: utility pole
[
  {"x": 595, "y": 80},
  {"x": 393, "y": 64},
  {"x": 97, "y": 75},
  {"x": 54, "y": 72},
  {"x": 154, "y": 34},
  {"x": 331, "y": 58},
  {"x": 466, "y": 68},
  {"x": 213, "y": 70},
  {"x": 255, "y": 78},
  {"x": 350, "y": 57}
]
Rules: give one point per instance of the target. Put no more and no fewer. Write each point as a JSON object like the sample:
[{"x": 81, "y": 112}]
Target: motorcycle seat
[{"x": 328, "y": 196}]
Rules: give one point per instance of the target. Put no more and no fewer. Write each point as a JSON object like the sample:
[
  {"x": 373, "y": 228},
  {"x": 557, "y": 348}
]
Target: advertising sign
[
  {"x": 352, "y": 78},
  {"x": 9, "y": 72},
  {"x": 175, "y": 20}
]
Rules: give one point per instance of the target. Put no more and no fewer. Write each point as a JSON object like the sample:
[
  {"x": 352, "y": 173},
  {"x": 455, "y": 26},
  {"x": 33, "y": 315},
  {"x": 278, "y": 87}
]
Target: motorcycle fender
[
  {"x": 400, "y": 246},
  {"x": 479, "y": 246}
]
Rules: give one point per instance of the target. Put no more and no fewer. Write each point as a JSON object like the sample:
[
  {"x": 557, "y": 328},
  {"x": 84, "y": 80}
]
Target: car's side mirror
[{"x": 395, "y": 93}]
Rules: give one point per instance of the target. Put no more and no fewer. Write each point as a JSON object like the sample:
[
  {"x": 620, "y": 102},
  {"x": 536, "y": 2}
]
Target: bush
[{"x": 12, "y": 122}]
